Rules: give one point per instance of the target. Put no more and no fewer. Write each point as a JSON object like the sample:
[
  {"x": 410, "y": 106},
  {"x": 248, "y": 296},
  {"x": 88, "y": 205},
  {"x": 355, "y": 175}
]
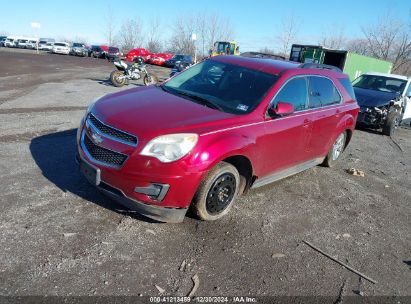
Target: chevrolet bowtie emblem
[{"x": 97, "y": 139}]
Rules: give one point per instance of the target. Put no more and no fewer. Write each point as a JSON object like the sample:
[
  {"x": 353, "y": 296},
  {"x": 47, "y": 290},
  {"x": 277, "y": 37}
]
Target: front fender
[{"x": 215, "y": 151}]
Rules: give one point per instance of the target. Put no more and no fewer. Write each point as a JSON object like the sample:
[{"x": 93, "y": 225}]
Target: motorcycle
[{"x": 131, "y": 71}]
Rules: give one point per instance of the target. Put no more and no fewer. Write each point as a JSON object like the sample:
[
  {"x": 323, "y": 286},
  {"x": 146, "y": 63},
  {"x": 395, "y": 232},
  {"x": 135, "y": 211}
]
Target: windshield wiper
[{"x": 202, "y": 100}]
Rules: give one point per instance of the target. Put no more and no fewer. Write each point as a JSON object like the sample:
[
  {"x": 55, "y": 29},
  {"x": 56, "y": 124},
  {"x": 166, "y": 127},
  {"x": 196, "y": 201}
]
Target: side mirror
[{"x": 282, "y": 109}]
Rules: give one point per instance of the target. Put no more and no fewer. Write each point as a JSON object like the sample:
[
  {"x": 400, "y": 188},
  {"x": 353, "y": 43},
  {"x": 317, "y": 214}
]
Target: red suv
[{"x": 208, "y": 134}]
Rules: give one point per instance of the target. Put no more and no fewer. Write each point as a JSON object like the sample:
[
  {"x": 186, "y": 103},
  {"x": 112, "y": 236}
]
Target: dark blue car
[
  {"x": 384, "y": 100},
  {"x": 184, "y": 59}
]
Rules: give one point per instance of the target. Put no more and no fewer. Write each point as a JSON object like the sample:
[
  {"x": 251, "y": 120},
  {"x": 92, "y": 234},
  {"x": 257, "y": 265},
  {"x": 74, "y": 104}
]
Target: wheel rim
[
  {"x": 338, "y": 146},
  {"x": 221, "y": 193},
  {"x": 117, "y": 77}
]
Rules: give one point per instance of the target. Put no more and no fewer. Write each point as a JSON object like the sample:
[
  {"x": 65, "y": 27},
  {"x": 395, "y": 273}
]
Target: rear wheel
[
  {"x": 150, "y": 79},
  {"x": 392, "y": 123},
  {"x": 336, "y": 150},
  {"x": 217, "y": 192},
  {"x": 117, "y": 78}
]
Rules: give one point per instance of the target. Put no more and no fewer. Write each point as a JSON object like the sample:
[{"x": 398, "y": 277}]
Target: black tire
[
  {"x": 217, "y": 192},
  {"x": 150, "y": 79},
  {"x": 392, "y": 123},
  {"x": 336, "y": 150},
  {"x": 114, "y": 78}
]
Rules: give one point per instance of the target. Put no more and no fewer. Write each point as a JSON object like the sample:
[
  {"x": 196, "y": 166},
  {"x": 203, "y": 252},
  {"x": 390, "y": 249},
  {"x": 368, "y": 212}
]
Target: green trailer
[{"x": 350, "y": 63}]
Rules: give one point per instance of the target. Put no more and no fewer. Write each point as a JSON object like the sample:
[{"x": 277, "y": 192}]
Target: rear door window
[
  {"x": 322, "y": 92},
  {"x": 294, "y": 92}
]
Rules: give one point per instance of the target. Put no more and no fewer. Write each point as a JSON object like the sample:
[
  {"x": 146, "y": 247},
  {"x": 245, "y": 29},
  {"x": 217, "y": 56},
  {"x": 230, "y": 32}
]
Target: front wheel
[
  {"x": 217, "y": 192},
  {"x": 392, "y": 123},
  {"x": 150, "y": 79},
  {"x": 117, "y": 78},
  {"x": 336, "y": 150}
]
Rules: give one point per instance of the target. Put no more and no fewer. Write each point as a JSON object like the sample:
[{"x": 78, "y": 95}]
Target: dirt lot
[{"x": 60, "y": 236}]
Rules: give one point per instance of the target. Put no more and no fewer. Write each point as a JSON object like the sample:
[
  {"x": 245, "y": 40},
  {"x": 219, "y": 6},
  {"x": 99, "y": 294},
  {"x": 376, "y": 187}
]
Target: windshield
[
  {"x": 60, "y": 44},
  {"x": 233, "y": 89},
  {"x": 113, "y": 50},
  {"x": 380, "y": 83},
  {"x": 77, "y": 45},
  {"x": 178, "y": 57}
]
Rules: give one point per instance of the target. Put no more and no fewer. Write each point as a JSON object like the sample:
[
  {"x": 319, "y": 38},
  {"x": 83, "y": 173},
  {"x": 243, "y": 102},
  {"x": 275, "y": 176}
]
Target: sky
[{"x": 256, "y": 23}]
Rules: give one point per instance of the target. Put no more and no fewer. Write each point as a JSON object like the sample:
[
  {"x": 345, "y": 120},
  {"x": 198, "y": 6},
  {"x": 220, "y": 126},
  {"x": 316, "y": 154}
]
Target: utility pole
[{"x": 36, "y": 26}]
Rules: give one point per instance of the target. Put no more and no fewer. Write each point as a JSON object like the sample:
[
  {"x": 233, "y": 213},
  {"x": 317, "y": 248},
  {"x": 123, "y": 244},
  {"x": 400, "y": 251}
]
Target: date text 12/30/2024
[{"x": 239, "y": 299}]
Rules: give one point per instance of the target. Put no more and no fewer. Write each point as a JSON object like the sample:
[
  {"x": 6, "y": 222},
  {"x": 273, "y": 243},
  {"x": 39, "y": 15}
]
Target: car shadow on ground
[
  {"x": 54, "y": 154},
  {"x": 107, "y": 82}
]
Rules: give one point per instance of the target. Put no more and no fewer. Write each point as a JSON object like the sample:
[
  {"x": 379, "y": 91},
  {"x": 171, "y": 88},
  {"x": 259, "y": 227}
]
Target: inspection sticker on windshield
[{"x": 242, "y": 107}]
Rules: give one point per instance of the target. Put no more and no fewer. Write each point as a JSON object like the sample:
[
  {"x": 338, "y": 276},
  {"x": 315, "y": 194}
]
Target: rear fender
[{"x": 347, "y": 122}]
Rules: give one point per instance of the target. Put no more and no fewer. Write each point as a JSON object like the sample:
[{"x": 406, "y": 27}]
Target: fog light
[{"x": 154, "y": 191}]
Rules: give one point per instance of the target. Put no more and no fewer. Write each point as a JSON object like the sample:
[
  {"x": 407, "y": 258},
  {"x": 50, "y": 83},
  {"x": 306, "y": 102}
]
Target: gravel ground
[{"x": 60, "y": 236}]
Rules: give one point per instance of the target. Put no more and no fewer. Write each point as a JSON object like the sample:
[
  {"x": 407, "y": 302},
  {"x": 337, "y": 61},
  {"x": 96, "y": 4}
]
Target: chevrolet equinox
[{"x": 212, "y": 132}]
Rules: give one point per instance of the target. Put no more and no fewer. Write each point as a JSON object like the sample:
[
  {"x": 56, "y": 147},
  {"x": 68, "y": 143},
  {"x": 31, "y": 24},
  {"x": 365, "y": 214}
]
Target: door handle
[{"x": 306, "y": 121}]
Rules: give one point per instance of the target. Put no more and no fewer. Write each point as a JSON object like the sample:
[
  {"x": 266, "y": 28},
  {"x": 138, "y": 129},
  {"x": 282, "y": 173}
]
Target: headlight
[{"x": 169, "y": 148}]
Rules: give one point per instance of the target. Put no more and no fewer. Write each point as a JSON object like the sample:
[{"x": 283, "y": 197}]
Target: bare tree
[
  {"x": 267, "y": 50},
  {"x": 81, "y": 39},
  {"x": 335, "y": 39},
  {"x": 358, "y": 45},
  {"x": 130, "y": 34},
  {"x": 288, "y": 34},
  {"x": 390, "y": 39},
  {"x": 202, "y": 32},
  {"x": 218, "y": 29},
  {"x": 209, "y": 28},
  {"x": 109, "y": 27},
  {"x": 154, "y": 44},
  {"x": 183, "y": 29}
]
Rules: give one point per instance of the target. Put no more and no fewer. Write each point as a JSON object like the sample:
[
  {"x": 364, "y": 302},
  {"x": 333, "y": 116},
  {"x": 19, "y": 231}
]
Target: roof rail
[
  {"x": 319, "y": 66},
  {"x": 262, "y": 55}
]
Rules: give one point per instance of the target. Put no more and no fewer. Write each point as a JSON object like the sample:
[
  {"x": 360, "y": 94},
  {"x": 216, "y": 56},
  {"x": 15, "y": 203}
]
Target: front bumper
[
  {"x": 159, "y": 191},
  {"x": 161, "y": 214},
  {"x": 370, "y": 117}
]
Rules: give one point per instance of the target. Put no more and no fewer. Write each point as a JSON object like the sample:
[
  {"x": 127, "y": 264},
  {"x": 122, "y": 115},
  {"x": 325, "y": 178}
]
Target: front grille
[
  {"x": 113, "y": 132},
  {"x": 102, "y": 154}
]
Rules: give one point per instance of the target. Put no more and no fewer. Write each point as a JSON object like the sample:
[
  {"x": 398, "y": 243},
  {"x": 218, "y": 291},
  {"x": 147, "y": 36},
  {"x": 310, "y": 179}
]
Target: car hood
[
  {"x": 373, "y": 98},
  {"x": 149, "y": 111}
]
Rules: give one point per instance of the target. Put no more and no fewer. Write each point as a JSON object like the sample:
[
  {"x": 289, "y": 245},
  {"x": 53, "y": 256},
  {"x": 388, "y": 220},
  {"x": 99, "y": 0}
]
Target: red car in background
[
  {"x": 160, "y": 59},
  {"x": 139, "y": 52}
]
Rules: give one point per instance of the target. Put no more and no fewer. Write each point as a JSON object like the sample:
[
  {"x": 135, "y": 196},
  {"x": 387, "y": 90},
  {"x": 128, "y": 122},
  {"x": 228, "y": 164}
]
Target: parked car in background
[
  {"x": 10, "y": 42},
  {"x": 159, "y": 59},
  {"x": 46, "y": 47},
  {"x": 384, "y": 100},
  {"x": 139, "y": 52},
  {"x": 61, "y": 48},
  {"x": 181, "y": 58},
  {"x": 113, "y": 52},
  {"x": 236, "y": 123},
  {"x": 2, "y": 40},
  {"x": 21, "y": 43},
  {"x": 31, "y": 44},
  {"x": 78, "y": 49},
  {"x": 96, "y": 51}
]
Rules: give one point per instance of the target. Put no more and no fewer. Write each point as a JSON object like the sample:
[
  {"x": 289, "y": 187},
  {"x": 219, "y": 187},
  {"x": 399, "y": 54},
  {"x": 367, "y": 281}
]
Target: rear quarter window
[{"x": 346, "y": 83}]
